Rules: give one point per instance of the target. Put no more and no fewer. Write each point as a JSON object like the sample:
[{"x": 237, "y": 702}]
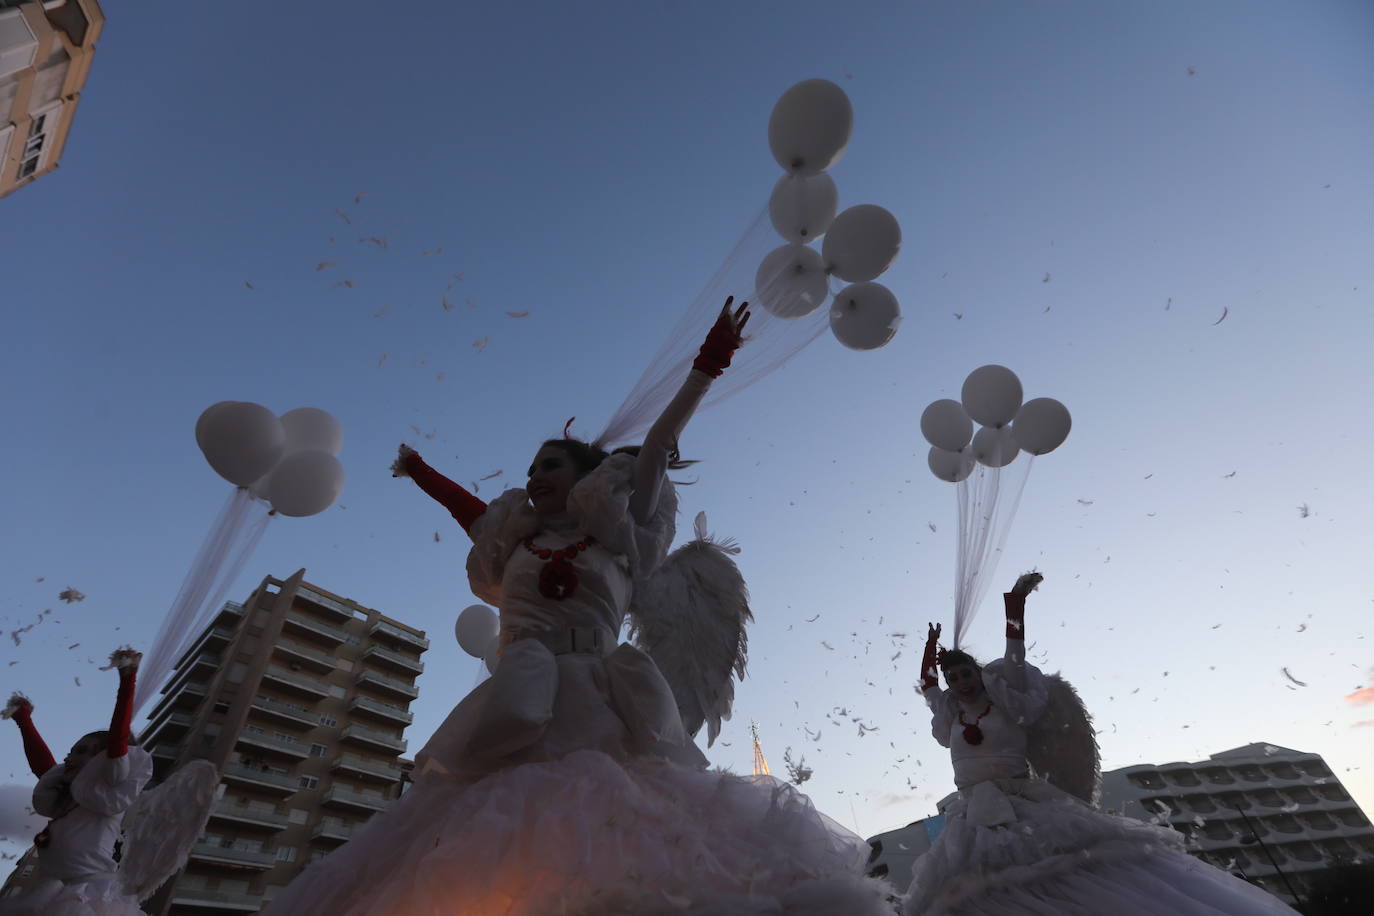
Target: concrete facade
[{"x": 46, "y": 50}]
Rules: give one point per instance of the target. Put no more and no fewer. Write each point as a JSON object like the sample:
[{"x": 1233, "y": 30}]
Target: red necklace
[
  {"x": 557, "y": 578},
  {"x": 972, "y": 733}
]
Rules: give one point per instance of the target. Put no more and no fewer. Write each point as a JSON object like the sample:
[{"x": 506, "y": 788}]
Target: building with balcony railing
[
  {"x": 1274, "y": 816},
  {"x": 300, "y": 698}
]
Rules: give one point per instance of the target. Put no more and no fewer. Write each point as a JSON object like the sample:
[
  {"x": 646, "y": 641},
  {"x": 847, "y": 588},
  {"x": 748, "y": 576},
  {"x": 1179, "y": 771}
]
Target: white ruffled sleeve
[
  {"x": 942, "y": 711},
  {"x": 48, "y": 794},
  {"x": 509, "y": 519},
  {"x": 108, "y": 785},
  {"x": 601, "y": 503},
  {"x": 1024, "y": 703}
]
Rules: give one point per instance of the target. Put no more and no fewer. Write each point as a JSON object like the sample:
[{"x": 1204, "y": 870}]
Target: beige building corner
[{"x": 46, "y": 50}]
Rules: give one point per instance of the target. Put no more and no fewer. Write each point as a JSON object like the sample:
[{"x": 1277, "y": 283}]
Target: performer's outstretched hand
[
  {"x": 398, "y": 467},
  {"x": 1027, "y": 584},
  {"x": 18, "y": 707},
  {"x": 124, "y": 659},
  {"x": 723, "y": 339},
  {"x": 930, "y": 660}
]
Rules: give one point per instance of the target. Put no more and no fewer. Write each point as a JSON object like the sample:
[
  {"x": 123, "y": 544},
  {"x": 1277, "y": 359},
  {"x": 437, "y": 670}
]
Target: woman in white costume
[
  {"x": 567, "y": 783},
  {"x": 1014, "y": 844},
  {"x": 84, "y": 798}
]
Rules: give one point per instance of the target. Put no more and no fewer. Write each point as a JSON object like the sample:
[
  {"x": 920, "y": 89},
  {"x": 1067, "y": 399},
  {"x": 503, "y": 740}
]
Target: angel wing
[
  {"x": 1062, "y": 746},
  {"x": 162, "y": 824},
  {"x": 690, "y": 617}
]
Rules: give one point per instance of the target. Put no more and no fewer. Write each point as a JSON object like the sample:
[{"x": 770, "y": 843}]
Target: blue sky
[{"x": 1162, "y": 165}]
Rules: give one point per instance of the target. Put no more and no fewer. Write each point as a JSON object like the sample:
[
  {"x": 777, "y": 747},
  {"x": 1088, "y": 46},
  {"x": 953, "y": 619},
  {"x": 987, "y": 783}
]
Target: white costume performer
[
  {"x": 1024, "y": 837},
  {"x": 89, "y": 798},
  {"x": 568, "y": 783}
]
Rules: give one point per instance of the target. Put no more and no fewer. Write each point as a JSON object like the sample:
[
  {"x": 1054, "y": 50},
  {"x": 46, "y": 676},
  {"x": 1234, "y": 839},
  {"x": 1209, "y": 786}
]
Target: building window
[
  {"x": 37, "y": 125},
  {"x": 309, "y": 782},
  {"x": 328, "y": 720},
  {"x": 318, "y": 750},
  {"x": 286, "y": 853}
]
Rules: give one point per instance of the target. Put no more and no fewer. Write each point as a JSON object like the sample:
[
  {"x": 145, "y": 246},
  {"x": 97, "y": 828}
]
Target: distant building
[
  {"x": 1261, "y": 811},
  {"x": 894, "y": 853},
  {"x": 46, "y": 49},
  {"x": 300, "y": 698}
]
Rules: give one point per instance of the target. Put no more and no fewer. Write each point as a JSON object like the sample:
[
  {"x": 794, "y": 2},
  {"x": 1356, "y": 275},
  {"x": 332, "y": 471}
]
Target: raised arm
[
  {"x": 126, "y": 661},
  {"x": 35, "y": 750},
  {"x": 461, "y": 504},
  {"x": 660, "y": 443},
  {"x": 1015, "y": 604}
]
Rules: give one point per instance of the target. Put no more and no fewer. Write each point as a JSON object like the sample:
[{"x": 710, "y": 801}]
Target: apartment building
[
  {"x": 300, "y": 698},
  {"x": 1275, "y": 816},
  {"x": 46, "y": 50}
]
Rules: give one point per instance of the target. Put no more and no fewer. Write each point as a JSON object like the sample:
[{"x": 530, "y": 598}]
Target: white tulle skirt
[
  {"x": 100, "y": 897},
  {"x": 588, "y": 834},
  {"x": 1051, "y": 855}
]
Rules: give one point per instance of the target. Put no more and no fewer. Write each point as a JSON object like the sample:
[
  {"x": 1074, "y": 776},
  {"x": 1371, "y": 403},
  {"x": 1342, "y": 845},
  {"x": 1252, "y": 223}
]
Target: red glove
[
  {"x": 721, "y": 342},
  {"x": 1015, "y": 603},
  {"x": 118, "y": 743},
  {"x": 930, "y": 677},
  {"x": 40, "y": 758},
  {"x": 461, "y": 504}
]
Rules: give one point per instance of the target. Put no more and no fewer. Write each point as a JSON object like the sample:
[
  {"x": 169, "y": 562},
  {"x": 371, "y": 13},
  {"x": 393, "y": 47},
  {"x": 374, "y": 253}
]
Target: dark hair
[
  {"x": 953, "y": 658},
  {"x": 585, "y": 456},
  {"x": 102, "y": 736}
]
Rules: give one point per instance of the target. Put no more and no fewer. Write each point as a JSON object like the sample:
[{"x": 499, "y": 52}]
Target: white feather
[
  {"x": 163, "y": 824},
  {"x": 1062, "y": 746},
  {"x": 690, "y": 617}
]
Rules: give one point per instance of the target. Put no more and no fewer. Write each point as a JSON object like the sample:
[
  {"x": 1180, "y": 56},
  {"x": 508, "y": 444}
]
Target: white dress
[
  {"x": 1014, "y": 845},
  {"x": 565, "y": 784},
  {"x": 76, "y": 872}
]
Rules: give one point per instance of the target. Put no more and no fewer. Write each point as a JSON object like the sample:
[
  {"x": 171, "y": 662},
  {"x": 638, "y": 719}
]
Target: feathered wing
[
  {"x": 690, "y": 617},
  {"x": 161, "y": 826},
  {"x": 1063, "y": 744}
]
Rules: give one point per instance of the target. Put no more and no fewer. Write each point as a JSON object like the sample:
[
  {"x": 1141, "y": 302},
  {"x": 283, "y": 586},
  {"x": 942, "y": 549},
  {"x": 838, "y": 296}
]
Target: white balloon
[
  {"x": 312, "y": 429},
  {"x": 791, "y": 281},
  {"x": 204, "y": 418},
  {"x": 994, "y": 448},
  {"x": 477, "y": 625},
  {"x": 992, "y": 395},
  {"x": 950, "y": 467},
  {"x": 864, "y": 316},
  {"x": 803, "y": 206},
  {"x": 492, "y": 656},
  {"x": 262, "y": 487},
  {"x": 861, "y": 243},
  {"x": 945, "y": 425},
  {"x": 1042, "y": 425},
  {"x": 810, "y": 127},
  {"x": 306, "y": 483},
  {"x": 241, "y": 441}
]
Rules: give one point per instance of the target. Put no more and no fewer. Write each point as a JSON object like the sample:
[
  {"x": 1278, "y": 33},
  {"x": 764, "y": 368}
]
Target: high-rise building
[
  {"x": 46, "y": 48},
  {"x": 1278, "y": 817},
  {"x": 300, "y": 698}
]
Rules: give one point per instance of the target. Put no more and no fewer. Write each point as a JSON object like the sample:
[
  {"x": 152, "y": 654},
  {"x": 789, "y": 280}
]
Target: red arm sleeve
[
  {"x": 464, "y": 507},
  {"x": 123, "y": 716},
  {"x": 39, "y": 757}
]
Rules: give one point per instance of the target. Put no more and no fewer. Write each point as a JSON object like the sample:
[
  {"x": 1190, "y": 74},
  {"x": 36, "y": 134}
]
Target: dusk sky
[{"x": 1159, "y": 214}]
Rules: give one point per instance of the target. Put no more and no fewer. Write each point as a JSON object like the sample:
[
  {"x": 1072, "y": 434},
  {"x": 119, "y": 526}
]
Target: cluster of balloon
[
  {"x": 291, "y": 461},
  {"x": 808, "y": 132},
  {"x": 991, "y": 396},
  {"x": 479, "y": 633}
]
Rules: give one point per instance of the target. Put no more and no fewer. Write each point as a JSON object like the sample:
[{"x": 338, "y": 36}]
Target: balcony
[
  {"x": 374, "y": 739},
  {"x": 362, "y": 767},
  {"x": 229, "y": 615},
  {"x": 369, "y": 706},
  {"x": 308, "y": 626},
  {"x": 390, "y": 685},
  {"x": 213, "y": 639},
  {"x": 357, "y": 801},
  {"x": 237, "y": 858},
  {"x": 173, "y": 724},
  {"x": 406, "y": 663},
  {"x": 204, "y": 899},
  {"x": 299, "y": 683},
  {"x": 329, "y": 606},
  {"x": 272, "y": 743},
  {"x": 263, "y": 780},
  {"x": 188, "y": 695},
  {"x": 166, "y": 751},
  {"x": 291, "y": 651},
  {"x": 252, "y": 815},
  {"x": 203, "y": 663},
  {"x": 396, "y": 635},
  {"x": 290, "y": 713},
  {"x": 331, "y": 829}
]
